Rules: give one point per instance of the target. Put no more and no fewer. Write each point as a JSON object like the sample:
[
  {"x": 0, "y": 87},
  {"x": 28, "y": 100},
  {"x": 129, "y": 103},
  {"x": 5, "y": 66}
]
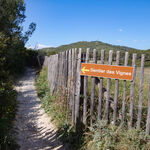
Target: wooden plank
[
  {"x": 45, "y": 63},
  {"x": 78, "y": 84},
  {"x": 99, "y": 109},
  {"x": 74, "y": 85},
  {"x": 85, "y": 90},
  {"x": 69, "y": 79},
  {"x": 49, "y": 58},
  {"x": 39, "y": 61},
  {"x": 54, "y": 74},
  {"x": 66, "y": 68},
  {"x": 61, "y": 72},
  {"x": 59, "y": 67},
  {"x": 116, "y": 91},
  {"x": 148, "y": 113},
  {"x": 124, "y": 90},
  {"x": 64, "y": 72},
  {"x": 93, "y": 89},
  {"x": 108, "y": 88},
  {"x": 132, "y": 90},
  {"x": 141, "y": 92}
]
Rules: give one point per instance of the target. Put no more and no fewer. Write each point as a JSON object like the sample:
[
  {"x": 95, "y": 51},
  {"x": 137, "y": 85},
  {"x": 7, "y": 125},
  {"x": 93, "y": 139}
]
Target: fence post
[
  {"x": 108, "y": 87},
  {"x": 132, "y": 90},
  {"x": 78, "y": 84},
  {"x": 73, "y": 82},
  {"x": 64, "y": 71},
  {"x": 124, "y": 90},
  {"x": 66, "y": 68},
  {"x": 85, "y": 89},
  {"x": 100, "y": 89},
  {"x": 148, "y": 113},
  {"x": 48, "y": 74},
  {"x": 141, "y": 92},
  {"x": 93, "y": 88},
  {"x": 69, "y": 79},
  {"x": 116, "y": 91}
]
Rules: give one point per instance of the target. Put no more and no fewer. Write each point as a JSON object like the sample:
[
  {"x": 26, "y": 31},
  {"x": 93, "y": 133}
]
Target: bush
[
  {"x": 7, "y": 113},
  {"x": 102, "y": 136},
  {"x": 56, "y": 107}
]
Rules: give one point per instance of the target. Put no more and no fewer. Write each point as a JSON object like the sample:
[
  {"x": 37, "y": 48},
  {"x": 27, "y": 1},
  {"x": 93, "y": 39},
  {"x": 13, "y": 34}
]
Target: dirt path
[{"x": 33, "y": 127}]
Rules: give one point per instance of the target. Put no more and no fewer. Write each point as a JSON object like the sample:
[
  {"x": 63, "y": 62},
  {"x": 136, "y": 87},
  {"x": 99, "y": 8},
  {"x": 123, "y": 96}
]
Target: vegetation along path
[{"x": 34, "y": 130}]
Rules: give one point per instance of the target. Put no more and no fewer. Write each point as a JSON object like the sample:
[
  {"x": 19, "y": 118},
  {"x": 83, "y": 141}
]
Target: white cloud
[
  {"x": 118, "y": 41},
  {"x": 39, "y": 46},
  {"x": 29, "y": 47},
  {"x": 120, "y": 30},
  {"x": 135, "y": 41}
]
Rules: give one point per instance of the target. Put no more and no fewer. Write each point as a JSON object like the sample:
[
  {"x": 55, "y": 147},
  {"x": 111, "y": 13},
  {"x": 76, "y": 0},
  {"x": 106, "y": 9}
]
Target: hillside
[
  {"x": 99, "y": 45},
  {"x": 93, "y": 44}
]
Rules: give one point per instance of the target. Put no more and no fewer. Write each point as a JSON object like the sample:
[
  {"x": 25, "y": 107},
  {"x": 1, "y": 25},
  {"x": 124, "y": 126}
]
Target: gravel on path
[{"x": 33, "y": 127}]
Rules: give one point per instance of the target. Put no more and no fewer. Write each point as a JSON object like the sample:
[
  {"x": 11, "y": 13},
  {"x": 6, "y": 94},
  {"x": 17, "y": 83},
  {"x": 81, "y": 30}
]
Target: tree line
[{"x": 13, "y": 55}]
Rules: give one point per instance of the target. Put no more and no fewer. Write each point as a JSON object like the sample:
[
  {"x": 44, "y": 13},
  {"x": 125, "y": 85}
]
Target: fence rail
[{"x": 89, "y": 98}]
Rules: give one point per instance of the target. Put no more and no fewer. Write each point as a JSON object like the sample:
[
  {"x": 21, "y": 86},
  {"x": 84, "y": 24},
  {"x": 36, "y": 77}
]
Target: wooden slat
[
  {"x": 78, "y": 84},
  {"x": 148, "y": 113},
  {"x": 132, "y": 90},
  {"x": 100, "y": 89},
  {"x": 141, "y": 92},
  {"x": 72, "y": 84},
  {"x": 85, "y": 90},
  {"x": 93, "y": 89},
  {"x": 124, "y": 90},
  {"x": 69, "y": 79},
  {"x": 59, "y": 70},
  {"x": 108, "y": 87},
  {"x": 66, "y": 68},
  {"x": 116, "y": 91},
  {"x": 64, "y": 71}
]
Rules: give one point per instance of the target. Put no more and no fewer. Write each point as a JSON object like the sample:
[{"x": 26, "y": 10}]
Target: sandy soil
[{"x": 34, "y": 130}]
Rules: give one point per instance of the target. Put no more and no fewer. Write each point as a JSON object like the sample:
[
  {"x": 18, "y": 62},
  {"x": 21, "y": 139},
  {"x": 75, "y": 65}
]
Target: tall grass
[
  {"x": 56, "y": 106},
  {"x": 120, "y": 97},
  {"x": 100, "y": 136},
  {"x": 109, "y": 137}
]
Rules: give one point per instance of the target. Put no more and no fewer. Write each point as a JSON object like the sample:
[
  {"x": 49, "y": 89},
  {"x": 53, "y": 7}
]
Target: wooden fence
[{"x": 90, "y": 98}]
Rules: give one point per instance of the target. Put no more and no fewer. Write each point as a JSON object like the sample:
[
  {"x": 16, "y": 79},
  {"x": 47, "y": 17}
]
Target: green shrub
[
  {"x": 56, "y": 107},
  {"x": 7, "y": 113},
  {"x": 102, "y": 136}
]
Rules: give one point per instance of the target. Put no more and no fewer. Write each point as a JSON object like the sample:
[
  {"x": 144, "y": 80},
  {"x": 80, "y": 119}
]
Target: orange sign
[{"x": 107, "y": 71}]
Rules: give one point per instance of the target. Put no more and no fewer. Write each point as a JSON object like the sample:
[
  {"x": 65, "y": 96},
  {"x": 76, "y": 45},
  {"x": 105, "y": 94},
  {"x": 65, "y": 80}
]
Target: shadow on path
[{"x": 33, "y": 128}]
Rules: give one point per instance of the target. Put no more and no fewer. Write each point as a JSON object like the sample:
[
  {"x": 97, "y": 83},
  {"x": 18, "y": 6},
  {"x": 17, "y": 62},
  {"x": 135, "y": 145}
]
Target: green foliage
[
  {"x": 99, "y": 46},
  {"x": 31, "y": 58},
  {"x": 53, "y": 105},
  {"x": 98, "y": 137},
  {"x": 67, "y": 134},
  {"x": 94, "y": 44},
  {"x": 102, "y": 136},
  {"x": 7, "y": 113},
  {"x": 12, "y": 61},
  {"x": 56, "y": 107}
]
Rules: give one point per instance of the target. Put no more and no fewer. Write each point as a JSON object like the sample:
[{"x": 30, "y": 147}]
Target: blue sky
[{"x": 119, "y": 22}]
